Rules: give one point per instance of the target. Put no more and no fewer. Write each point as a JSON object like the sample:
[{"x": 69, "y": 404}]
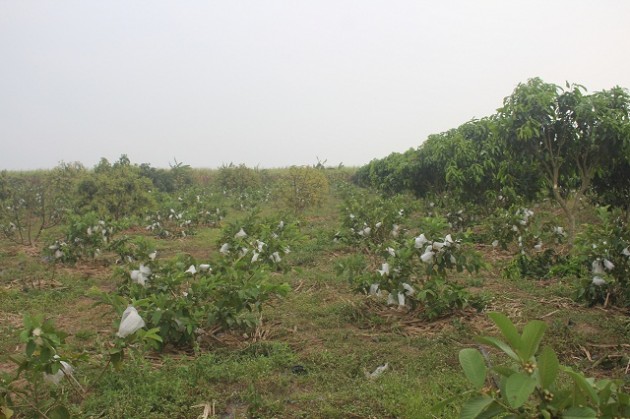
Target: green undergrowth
[{"x": 320, "y": 342}]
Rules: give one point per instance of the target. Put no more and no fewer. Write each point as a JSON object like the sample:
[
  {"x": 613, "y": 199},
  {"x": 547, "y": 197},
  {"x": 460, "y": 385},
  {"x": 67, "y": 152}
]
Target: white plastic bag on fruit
[
  {"x": 64, "y": 369},
  {"x": 130, "y": 322}
]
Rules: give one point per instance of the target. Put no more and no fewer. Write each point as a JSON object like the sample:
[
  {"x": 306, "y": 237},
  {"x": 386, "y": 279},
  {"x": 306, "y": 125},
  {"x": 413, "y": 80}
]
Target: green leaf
[
  {"x": 504, "y": 371},
  {"x": 532, "y": 335},
  {"x": 474, "y": 407},
  {"x": 116, "y": 357},
  {"x": 502, "y": 346},
  {"x": 548, "y": 367},
  {"x": 494, "y": 410},
  {"x": 581, "y": 382},
  {"x": 507, "y": 328},
  {"x": 474, "y": 366},
  {"x": 153, "y": 334},
  {"x": 579, "y": 413},
  {"x": 518, "y": 388},
  {"x": 30, "y": 348}
]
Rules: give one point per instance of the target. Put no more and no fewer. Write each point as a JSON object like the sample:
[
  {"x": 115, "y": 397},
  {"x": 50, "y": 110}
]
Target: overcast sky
[{"x": 277, "y": 83}]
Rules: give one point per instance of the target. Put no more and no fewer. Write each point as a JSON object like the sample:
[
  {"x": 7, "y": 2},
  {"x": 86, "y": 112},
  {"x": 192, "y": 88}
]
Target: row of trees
[
  {"x": 34, "y": 201},
  {"x": 31, "y": 202},
  {"x": 544, "y": 138}
]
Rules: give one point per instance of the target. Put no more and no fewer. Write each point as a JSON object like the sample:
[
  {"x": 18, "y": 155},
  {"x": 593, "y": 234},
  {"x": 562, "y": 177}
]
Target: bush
[
  {"x": 604, "y": 250},
  {"x": 238, "y": 179},
  {"x": 369, "y": 220},
  {"x": 86, "y": 237},
  {"x": 260, "y": 242},
  {"x": 530, "y": 387},
  {"x": 115, "y": 191},
  {"x": 304, "y": 187},
  {"x": 41, "y": 376},
  {"x": 415, "y": 274},
  {"x": 185, "y": 299}
]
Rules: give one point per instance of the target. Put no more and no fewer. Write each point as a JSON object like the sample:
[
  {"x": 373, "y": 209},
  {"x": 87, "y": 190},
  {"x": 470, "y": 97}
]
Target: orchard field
[
  {"x": 485, "y": 274},
  {"x": 298, "y": 332}
]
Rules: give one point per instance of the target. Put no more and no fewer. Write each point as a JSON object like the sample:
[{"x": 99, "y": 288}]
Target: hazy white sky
[{"x": 276, "y": 83}]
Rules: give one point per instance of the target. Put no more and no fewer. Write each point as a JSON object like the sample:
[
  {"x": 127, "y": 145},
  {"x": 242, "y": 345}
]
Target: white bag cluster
[
  {"x": 432, "y": 248},
  {"x": 141, "y": 275},
  {"x": 598, "y": 268}
]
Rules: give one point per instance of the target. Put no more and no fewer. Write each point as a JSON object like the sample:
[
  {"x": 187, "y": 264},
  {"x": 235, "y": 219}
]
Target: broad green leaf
[
  {"x": 116, "y": 358},
  {"x": 579, "y": 413},
  {"x": 494, "y": 410},
  {"x": 474, "y": 407},
  {"x": 518, "y": 388},
  {"x": 507, "y": 328},
  {"x": 474, "y": 366},
  {"x": 504, "y": 371},
  {"x": 30, "y": 348},
  {"x": 532, "y": 335},
  {"x": 153, "y": 334},
  {"x": 548, "y": 367},
  {"x": 581, "y": 382},
  {"x": 499, "y": 344}
]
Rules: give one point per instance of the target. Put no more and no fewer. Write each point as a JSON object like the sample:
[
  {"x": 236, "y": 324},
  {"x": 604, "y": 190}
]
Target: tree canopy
[{"x": 560, "y": 141}]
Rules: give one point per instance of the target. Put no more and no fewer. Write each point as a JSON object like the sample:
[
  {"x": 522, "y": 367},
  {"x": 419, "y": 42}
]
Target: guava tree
[
  {"x": 116, "y": 190},
  {"x": 33, "y": 202},
  {"x": 567, "y": 134}
]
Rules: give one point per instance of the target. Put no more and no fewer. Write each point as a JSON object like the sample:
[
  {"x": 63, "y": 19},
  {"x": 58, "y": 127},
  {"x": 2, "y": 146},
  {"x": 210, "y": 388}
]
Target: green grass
[{"x": 322, "y": 330}]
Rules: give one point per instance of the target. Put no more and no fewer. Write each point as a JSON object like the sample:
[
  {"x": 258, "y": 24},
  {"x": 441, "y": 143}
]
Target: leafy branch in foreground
[
  {"x": 36, "y": 389},
  {"x": 530, "y": 386}
]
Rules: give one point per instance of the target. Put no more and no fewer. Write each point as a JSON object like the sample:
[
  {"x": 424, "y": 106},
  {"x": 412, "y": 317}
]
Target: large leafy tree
[
  {"x": 470, "y": 164},
  {"x": 391, "y": 174},
  {"x": 564, "y": 133},
  {"x": 612, "y": 180},
  {"x": 115, "y": 190}
]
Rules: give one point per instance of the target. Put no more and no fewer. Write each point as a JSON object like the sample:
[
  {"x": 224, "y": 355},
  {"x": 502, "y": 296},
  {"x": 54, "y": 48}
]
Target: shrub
[
  {"x": 41, "y": 375},
  {"x": 530, "y": 386},
  {"x": 115, "y": 191},
  {"x": 369, "y": 220},
  {"x": 185, "y": 300},
  {"x": 32, "y": 203},
  {"x": 258, "y": 242},
  {"x": 604, "y": 250},
  {"x": 238, "y": 179},
  {"x": 415, "y": 273},
  {"x": 304, "y": 187},
  {"x": 86, "y": 237}
]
